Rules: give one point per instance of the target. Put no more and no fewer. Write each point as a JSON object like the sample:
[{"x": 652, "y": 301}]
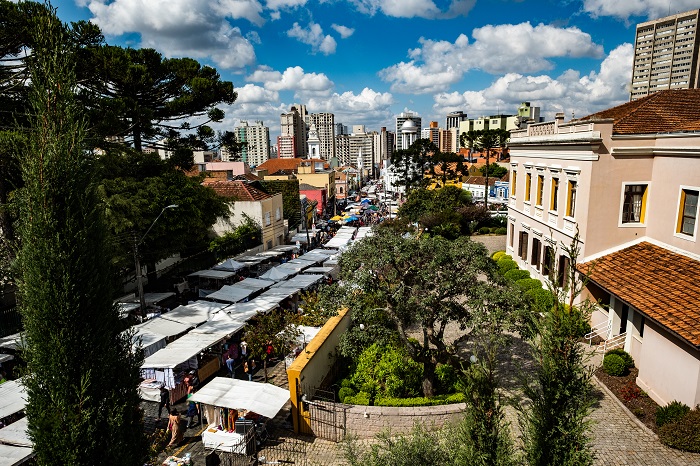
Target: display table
[
  {"x": 223, "y": 441},
  {"x": 175, "y": 461},
  {"x": 149, "y": 390}
]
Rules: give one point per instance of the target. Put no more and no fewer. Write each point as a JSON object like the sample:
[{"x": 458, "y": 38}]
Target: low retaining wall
[{"x": 368, "y": 421}]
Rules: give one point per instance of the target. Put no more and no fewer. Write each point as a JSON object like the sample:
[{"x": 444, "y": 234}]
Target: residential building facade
[
  {"x": 627, "y": 181},
  {"x": 256, "y": 143},
  {"x": 325, "y": 131},
  {"x": 666, "y": 54},
  {"x": 292, "y": 125}
]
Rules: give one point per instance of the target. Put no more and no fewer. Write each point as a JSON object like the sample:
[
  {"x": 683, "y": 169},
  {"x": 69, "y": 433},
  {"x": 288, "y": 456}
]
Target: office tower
[
  {"x": 454, "y": 119},
  {"x": 292, "y": 125},
  {"x": 666, "y": 55},
  {"x": 256, "y": 139},
  {"x": 400, "y": 120},
  {"x": 325, "y": 130},
  {"x": 286, "y": 147}
]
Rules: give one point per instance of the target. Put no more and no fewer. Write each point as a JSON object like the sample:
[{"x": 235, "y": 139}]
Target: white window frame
[
  {"x": 645, "y": 206},
  {"x": 676, "y": 233}
]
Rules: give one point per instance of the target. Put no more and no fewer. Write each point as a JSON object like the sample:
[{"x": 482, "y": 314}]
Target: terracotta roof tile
[
  {"x": 661, "y": 284},
  {"x": 237, "y": 190},
  {"x": 480, "y": 180},
  {"x": 661, "y": 112}
]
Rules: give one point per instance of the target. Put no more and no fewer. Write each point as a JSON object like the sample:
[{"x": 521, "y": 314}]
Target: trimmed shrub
[
  {"x": 501, "y": 231},
  {"x": 541, "y": 300},
  {"x": 506, "y": 265},
  {"x": 629, "y": 362},
  {"x": 614, "y": 365},
  {"x": 422, "y": 401},
  {"x": 671, "y": 412},
  {"x": 526, "y": 284},
  {"x": 345, "y": 383},
  {"x": 504, "y": 257},
  {"x": 361, "y": 398},
  {"x": 484, "y": 230},
  {"x": 384, "y": 370},
  {"x": 683, "y": 434},
  {"x": 345, "y": 392},
  {"x": 497, "y": 255},
  {"x": 516, "y": 274}
]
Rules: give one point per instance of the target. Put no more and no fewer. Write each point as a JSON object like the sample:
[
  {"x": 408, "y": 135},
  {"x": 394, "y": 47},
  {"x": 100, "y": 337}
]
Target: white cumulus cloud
[
  {"x": 413, "y": 8},
  {"x": 313, "y": 36},
  {"x": 194, "y": 28},
  {"x": 496, "y": 49},
  {"x": 250, "y": 93},
  {"x": 280, "y": 4},
  {"x": 369, "y": 107},
  {"x": 344, "y": 31},
  {"x": 624, "y": 9},
  {"x": 570, "y": 92},
  {"x": 292, "y": 79}
]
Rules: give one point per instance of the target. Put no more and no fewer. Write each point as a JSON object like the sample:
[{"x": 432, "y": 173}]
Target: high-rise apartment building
[
  {"x": 256, "y": 143},
  {"x": 666, "y": 54},
  {"x": 286, "y": 147},
  {"x": 292, "y": 125},
  {"x": 325, "y": 130},
  {"x": 350, "y": 146},
  {"x": 400, "y": 120},
  {"x": 454, "y": 119}
]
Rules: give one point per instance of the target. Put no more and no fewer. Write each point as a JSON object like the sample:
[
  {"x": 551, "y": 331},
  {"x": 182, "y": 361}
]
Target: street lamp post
[{"x": 137, "y": 261}]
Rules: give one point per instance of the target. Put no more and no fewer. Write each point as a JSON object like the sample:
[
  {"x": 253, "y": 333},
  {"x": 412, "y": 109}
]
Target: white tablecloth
[{"x": 223, "y": 441}]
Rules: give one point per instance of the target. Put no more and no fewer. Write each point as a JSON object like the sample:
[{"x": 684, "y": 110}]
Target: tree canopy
[{"x": 424, "y": 284}]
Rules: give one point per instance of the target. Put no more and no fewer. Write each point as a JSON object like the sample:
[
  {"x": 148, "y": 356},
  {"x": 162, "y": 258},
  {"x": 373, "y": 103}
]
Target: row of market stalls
[{"x": 15, "y": 445}]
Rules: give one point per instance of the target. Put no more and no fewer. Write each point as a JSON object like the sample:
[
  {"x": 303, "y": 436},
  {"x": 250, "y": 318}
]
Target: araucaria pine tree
[
  {"x": 81, "y": 377},
  {"x": 555, "y": 425}
]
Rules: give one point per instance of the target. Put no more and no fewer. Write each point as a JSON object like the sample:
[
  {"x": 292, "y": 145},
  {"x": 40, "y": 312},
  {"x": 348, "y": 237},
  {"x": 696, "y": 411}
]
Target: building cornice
[{"x": 657, "y": 151}]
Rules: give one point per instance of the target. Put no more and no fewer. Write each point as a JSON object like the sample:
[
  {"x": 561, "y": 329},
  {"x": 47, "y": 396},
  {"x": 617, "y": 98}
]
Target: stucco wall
[{"x": 668, "y": 369}]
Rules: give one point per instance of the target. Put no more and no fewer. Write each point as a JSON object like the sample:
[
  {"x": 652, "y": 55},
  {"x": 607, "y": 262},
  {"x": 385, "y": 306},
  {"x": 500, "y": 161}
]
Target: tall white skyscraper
[
  {"x": 292, "y": 126},
  {"x": 256, "y": 139},
  {"x": 325, "y": 129}
]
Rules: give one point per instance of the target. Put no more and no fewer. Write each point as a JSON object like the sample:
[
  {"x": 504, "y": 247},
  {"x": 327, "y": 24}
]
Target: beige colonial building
[
  {"x": 628, "y": 180},
  {"x": 264, "y": 209}
]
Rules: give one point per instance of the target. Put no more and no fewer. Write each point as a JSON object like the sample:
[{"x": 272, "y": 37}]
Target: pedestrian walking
[
  {"x": 164, "y": 401},
  {"x": 192, "y": 411},
  {"x": 229, "y": 365},
  {"x": 175, "y": 427}
]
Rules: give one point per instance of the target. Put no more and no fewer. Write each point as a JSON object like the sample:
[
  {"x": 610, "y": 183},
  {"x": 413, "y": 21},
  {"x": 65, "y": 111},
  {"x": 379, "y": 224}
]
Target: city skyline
[{"x": 366, "y": 61}]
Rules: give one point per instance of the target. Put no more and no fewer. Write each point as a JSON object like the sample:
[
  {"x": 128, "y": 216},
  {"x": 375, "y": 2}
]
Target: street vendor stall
[
  {"x": 231, "y": 294},
  {"x": 169, "y": 366},
  {"x": 301, "y": 282},
  {"x": 212, "y": 278},
  {"x": 148, "y": 341},
  {"x": 13, "y": 398},
  {"x": 224, "y": 401},
  {"x": 15, "y": 445},
  {"x": 230, "y": 265},
  {"x": 165, "y": 327}
]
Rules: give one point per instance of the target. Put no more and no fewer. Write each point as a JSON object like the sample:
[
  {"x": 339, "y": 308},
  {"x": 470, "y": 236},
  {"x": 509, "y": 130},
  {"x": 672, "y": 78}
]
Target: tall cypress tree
[{"x": 81, "y": 377}]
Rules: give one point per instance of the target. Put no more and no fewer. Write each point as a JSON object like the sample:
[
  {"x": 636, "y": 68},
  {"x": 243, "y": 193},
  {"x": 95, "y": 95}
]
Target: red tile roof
[
  {"x": 667, "y": 111},
  {"x": 237, "y": 190},
  {"x": 480, "y": 180},
  {"x": 275, "y": 165},
  {"x": 661, "y": 284}
]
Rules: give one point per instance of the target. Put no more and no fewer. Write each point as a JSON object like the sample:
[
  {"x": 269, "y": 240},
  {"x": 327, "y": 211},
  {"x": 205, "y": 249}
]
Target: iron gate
[{"x": 324, "y": 417}]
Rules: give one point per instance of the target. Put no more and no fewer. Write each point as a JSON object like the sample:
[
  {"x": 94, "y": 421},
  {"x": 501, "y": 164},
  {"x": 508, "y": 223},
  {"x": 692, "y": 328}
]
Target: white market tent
[
  {"x": 222, "y": 323},
  {"x": 231, "y": 294},
  {"x": 255, "y": 284},
  {"x": 300, "y": 237},
  {"x": 338, "y": 241},
  {"x": 276, "y": 274},
  {"x": 189, "y": 315},
  {"x": 326, "y": 252},
  {"x": 261, "y": 398},
  {"x": 11, "y": 342},
  {"x": 295, "y": 267},
  {"x": 6, "y": 357},
  {"x": 307, "y": 333},
  {"x": 306, "y": 263},
  {"x": 181, "y": 350},
  {"x": 213, "y": 274},
  {"x": 278, "y": 294},
  {"x": 300, "y": 282},
  {"x": 285, "y": 248},
  {"x": 321, "y": 270},
  {"x": 271, "y": 253},
  {"x": 230, "y": 265},
  {"x": 165, "y": 327},
  {"x": 244, "y": 311},
  {"x": 252, "y": 260},
  {"x": 150, "y": 298},
  {"x": 13, "y": 398},
  {"x": 149, "y": 341},
  {"x": 362, "y": 232},
  {"x": 11, "y": 455},
  {"x": 16, "y": 434},
  {"x": 209, "y": 306},
  {"x": 314, "y": 256}
]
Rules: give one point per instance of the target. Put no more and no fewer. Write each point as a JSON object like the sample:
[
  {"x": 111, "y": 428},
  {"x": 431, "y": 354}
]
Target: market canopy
[
  {"x": 13, "y": 398},
  {"x": 189, "y": 315},
  {"x": 300, "y": 282},
  {"x": 230, "y": 265},
  {"x": 214, "y": 274},
  {"x": 305, "y": 263},
  {"x": 230, "y": 294},
  {"x": 321, "y": 270},
  {"x": 276, "y": 274},
  {"x": 255, "y": 284},
  {"x": 150, "y": 298},
  {"x": 150, "y": 342},
  {"x": 278, "y": 294},
  {"x": 11, "y": 455},
  {"x": 165, "y": 327},
  {"x": 181, "y": 350},
  {"x": 16, "y": 434},
  {"x": 261, "y": 398},
  {"x": 285, "y": 248},
  {"x": 11, "y": 342},
  {"x": 222, "y": 323}
]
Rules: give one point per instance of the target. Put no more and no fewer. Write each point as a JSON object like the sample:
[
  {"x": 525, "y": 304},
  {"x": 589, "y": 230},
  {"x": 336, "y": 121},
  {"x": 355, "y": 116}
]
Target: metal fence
[{"x": 10, "y": 321}]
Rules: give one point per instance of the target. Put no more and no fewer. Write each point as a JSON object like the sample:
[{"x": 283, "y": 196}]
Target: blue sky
[{"x": 368, "y": 60}]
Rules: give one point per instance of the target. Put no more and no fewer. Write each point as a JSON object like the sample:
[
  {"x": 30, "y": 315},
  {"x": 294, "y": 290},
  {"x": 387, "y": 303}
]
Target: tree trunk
[{"x": 428, "y": 378}]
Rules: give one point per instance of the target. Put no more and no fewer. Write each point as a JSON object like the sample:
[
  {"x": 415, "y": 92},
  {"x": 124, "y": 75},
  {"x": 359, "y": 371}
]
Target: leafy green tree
[
  {"x": 425, "y": 284},
  {"x": 494, "y": 170},
  {"x": 276, "y": 328},
  {"x": 450, "y": 164},
  {"x": 247, "y": 235},
  {"x": 81, "y": 376},
  {"x": 419, "y": 447},
  {"x": 138, "y": 94},
  {"x": 556, "y": 428}
]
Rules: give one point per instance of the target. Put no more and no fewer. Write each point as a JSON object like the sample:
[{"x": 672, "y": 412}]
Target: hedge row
[{"x": 362, "y": 398}]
